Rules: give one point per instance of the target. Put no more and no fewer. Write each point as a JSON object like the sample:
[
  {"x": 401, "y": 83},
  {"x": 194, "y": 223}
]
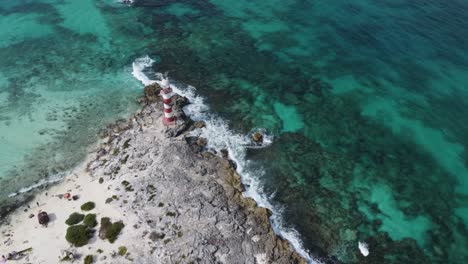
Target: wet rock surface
[{"x": 189, "y": 201}]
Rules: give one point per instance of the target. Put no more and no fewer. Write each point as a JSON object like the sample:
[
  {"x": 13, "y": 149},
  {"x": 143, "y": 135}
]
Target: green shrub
[
  {"x": 116, "y": 152},
  {"x": 109, "y": 230},
  {"x": 122, "y": 251},
  {"x": 126, "y": 144},
  {"x": 74, "y": 219},
  {"x": 124, "y": 160},
  {"x": 78, "y": 235},
  {"x": 88, "y": 259},
  {"x": 171, "y": 214},
  {"x": 128, "y": 186},
  {"x": 115, "y": 231},
  {"x": 105, "y": 224},
  {"x": 151, "y": 197},
  {"x": 150, "y": 188},
  {"x": 88, "y": 206},
  {"x": 101, "y": 180},
  {"x": 90, "y": 220},
  {"x": 66, "y": 259},
  {"x": 125, "y": 183}
]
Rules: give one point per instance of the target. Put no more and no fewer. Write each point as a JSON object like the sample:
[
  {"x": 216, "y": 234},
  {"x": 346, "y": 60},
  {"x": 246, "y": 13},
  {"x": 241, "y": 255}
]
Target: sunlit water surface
[{"x": 367, "y": 102}]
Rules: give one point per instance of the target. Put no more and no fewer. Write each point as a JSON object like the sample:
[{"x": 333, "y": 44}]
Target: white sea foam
[
  {"x": 138, "y": 66},
  {"x": 364, "y": 248},
  {"x": 221, "y": 137},
  {"x": 49, "y": 180},
  {"x": 126, "y": 1}
]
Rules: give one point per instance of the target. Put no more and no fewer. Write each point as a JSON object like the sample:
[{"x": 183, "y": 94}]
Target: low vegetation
[
  {"x": 122, "y": 251},
  {"x": 125, "y": 183},
  {"x": 116, "y": 152},
  {"x": 66, "y": 259},
  {"x": 171, "y": 214},
  {"x": 128, "y": 186},
  {"x": 151, "y": 197},
  {"x": 88, "y": 206},
  {"x": 74, "y": 219},
  {"x": 78, "y": 235},
  {"x": 126, "y": 144},
  {"x": 109, "y": 230},
  {"x": 124, "y": 160},
  {"x": 150, "y": 188},
  {"x": 88, "y": 259},
  {"x": 113, "y": 198},
  {"x": 90, "y": 220}
]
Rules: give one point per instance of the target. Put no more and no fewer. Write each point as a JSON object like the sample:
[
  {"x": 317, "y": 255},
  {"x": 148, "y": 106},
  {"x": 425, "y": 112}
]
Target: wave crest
[{"x": 221, "y": 137}]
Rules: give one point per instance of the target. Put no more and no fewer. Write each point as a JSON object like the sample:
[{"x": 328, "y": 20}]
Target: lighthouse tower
[{"x": 166, "y": 94}]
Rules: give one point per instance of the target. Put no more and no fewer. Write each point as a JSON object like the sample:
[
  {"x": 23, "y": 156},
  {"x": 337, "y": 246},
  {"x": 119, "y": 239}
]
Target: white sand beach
[{"x": 47, "y": 243}]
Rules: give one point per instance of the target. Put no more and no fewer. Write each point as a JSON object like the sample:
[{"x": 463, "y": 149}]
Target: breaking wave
[
  {"x": 221, "y": 137},
  {"x": 49, "y": 180}
]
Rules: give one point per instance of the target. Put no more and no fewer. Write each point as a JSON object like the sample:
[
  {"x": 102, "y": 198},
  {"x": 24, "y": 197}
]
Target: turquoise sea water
[{"x": 367, "y": 102}]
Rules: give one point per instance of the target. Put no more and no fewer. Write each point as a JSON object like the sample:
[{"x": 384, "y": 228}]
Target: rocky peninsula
[{"x": 175, "y": 200}]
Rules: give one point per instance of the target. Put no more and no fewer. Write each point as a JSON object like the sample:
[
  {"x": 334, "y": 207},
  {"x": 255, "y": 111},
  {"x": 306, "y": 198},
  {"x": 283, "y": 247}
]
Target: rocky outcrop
[
  {"x": 257, "y": 137},
  {"x": 189, "y": 201},
  {"x": 151, "y": 93}
]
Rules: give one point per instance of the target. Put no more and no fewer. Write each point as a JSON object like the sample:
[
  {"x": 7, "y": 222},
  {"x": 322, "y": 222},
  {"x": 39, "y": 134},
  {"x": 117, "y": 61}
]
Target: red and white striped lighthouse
[{"x": 166, "y": 93}]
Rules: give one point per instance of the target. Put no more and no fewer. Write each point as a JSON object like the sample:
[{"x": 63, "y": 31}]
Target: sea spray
[
  {"x": 221, "y": 137},
  {"x": 363, "y": 248},
  {"x": 138, "y": 66}
]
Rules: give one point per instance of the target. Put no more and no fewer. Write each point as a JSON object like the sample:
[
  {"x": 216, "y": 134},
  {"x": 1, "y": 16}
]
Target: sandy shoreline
[
  {"x": 21, "y": 232},
  {"x": 179, "y": 203}
]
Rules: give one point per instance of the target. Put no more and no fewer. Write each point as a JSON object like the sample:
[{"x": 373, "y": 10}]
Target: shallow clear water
[
  {"x": 367, "y": 101},
  {"x": 64, "y": 74}
]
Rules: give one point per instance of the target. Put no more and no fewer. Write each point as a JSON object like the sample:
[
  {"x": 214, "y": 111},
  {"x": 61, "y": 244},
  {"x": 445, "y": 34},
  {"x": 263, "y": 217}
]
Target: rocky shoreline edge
[{"x": 178, "y": 201}]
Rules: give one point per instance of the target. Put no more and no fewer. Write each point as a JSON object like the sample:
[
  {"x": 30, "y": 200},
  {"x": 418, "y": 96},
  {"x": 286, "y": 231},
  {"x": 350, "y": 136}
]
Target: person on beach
[{"x": 3, "y": 260}]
